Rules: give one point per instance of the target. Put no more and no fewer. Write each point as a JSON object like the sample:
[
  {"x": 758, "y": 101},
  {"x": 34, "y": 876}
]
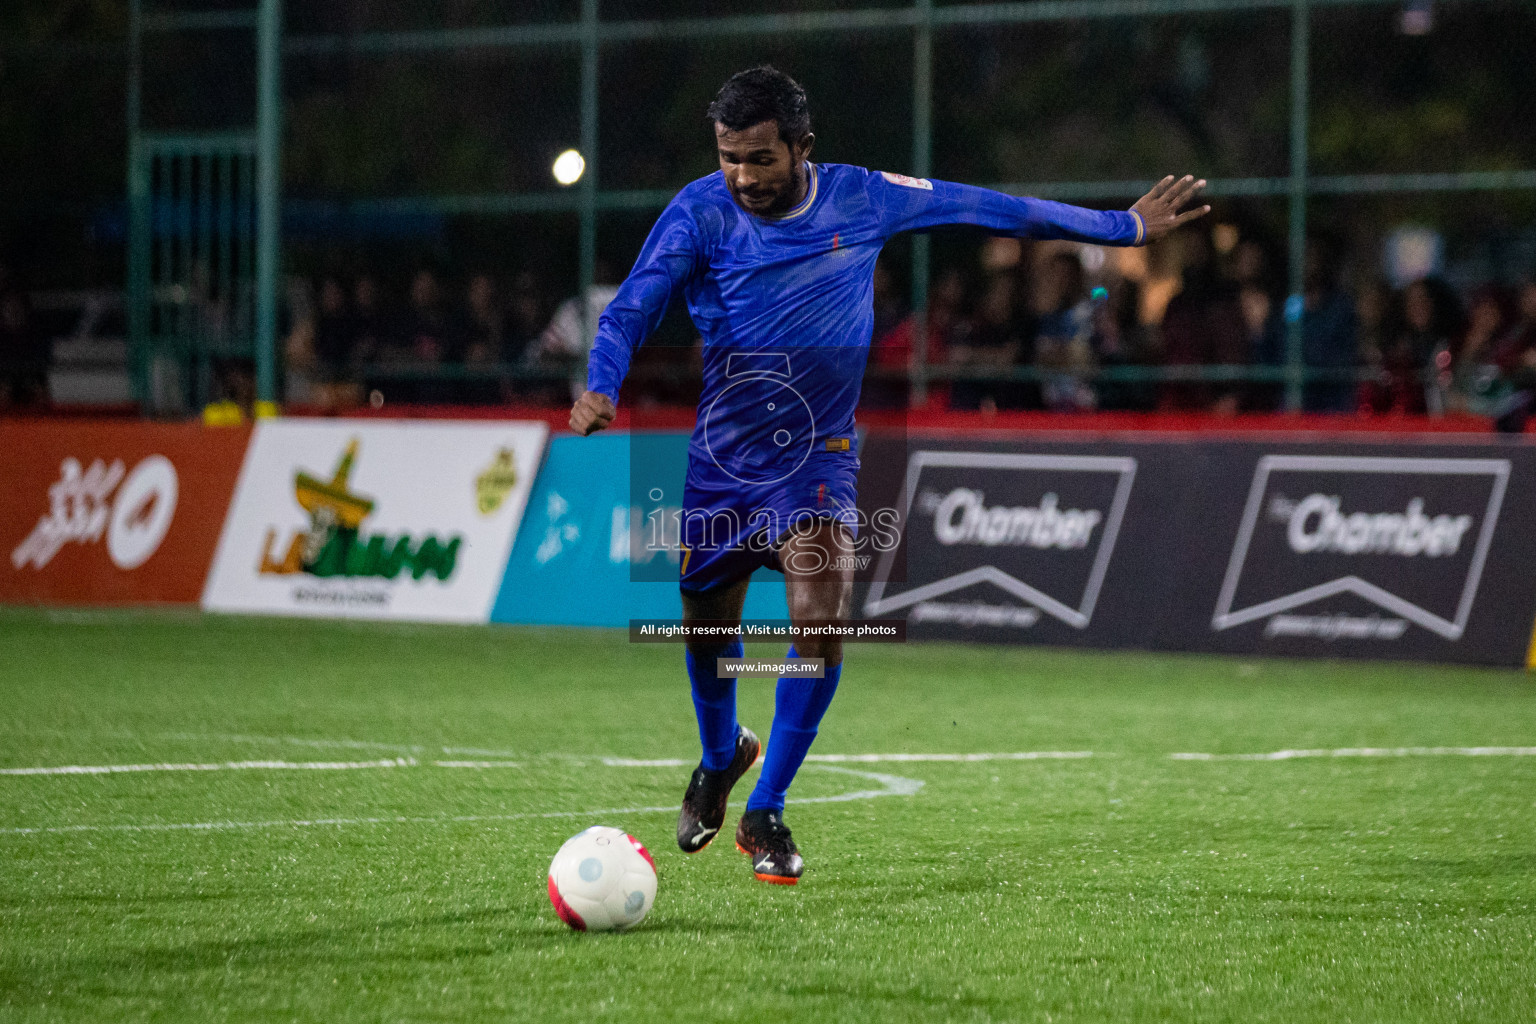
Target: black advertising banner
[
  {"x": 1008, "y": 542},
  {"x": 1377, "y": 550},
  {"x": 1385, "y": 550}
]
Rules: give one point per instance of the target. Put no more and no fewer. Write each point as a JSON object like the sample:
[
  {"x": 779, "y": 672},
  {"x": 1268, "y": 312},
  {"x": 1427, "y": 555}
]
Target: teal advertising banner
[{"x": 585, "y": 544}]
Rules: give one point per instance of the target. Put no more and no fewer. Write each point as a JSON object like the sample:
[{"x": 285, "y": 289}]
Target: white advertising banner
[{"x": 375, "y": 519}]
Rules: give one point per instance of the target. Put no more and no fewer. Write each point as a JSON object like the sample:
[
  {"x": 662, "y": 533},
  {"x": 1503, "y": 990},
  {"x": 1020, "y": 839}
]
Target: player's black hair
[{"x": 761, "y": 94}]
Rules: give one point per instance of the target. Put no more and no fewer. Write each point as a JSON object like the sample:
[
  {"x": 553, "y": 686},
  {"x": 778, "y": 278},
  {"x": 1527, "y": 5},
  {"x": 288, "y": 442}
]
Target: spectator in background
[
  {"x": 23, "y": 352},
  {"x": 1124, "y": 341},
  {"x": 997, "y": 340},
  {"x": 1424, "y": 324},
  {"x": 1518, "y": 346},
  {"x": 485, "y": 339},
  {"x": 890, "y": 358},
  {"x": 1329, "y": 333},
  {"x": 1373, "y": 318},
  {"x": 485, "y": 323},
  {"x": 1063, "y": 342},
  {"x": 1516, "y": 355},
  {"x": 1477, "y": 384},
  {"x": 430, "y": 336},
  {"x": 564, "y": 344},
  {"x": 1203, "y": 326},
  {"x": 890, "y": 307},
  {"x": 526, "y": 315},
  {"x": 370, "y": 326},
  {"x": 1257, "y": 295},
  {"x": 897, "y": 348},
  {"x": 336, "y": 379},
  {"x": 946, "y": 325},
  {"x": 431, "y": 339}
]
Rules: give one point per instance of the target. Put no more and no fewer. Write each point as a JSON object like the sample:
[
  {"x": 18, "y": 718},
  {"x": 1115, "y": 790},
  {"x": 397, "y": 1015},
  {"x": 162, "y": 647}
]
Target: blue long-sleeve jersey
[{"x": 790, "y": 299}]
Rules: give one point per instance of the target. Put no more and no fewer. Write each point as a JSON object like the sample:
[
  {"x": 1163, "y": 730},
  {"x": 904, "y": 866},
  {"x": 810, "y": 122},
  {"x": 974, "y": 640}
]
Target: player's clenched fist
[
  {"x": 592, "y": 412},
  {"x": 1159, "y": 209}
]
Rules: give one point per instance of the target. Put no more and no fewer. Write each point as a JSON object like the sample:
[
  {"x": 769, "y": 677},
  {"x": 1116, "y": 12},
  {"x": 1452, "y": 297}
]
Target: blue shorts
[{"x": 731, "y": 528}]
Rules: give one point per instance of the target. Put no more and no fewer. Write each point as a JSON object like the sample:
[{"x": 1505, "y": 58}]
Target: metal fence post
[
  {"x": 587, "y": 259},
  {"x": 1295, "y": 303},
  {"x": 139, "y": 215},
  {"x": 269, "y": 86},
  {"x": 922, "y": 150}
]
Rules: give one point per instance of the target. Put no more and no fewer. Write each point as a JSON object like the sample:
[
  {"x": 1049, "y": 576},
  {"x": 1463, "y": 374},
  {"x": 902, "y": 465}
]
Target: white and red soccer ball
[{"x": 602, "y": 880}]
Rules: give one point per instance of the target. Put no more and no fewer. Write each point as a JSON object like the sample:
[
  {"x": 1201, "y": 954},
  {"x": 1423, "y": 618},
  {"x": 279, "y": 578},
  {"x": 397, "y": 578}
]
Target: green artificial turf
[{"x": 1125, "y": 886}]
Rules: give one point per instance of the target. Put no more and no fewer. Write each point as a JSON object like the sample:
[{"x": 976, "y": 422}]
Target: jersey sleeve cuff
[{"x": 1141, "y": 228}]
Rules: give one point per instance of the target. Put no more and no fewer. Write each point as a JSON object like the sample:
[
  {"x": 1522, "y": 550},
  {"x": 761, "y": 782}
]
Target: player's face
[{"x": 765, "y": 175}]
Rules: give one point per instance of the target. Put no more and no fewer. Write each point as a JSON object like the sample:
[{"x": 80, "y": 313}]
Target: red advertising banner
[{"x": 112, "y": 513}]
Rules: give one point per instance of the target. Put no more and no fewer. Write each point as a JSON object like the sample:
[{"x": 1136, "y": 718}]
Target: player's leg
[
  {"x": 818, "y": 578},
  {"x": 728, "y": 748},
  {"x": 714, "y": 699}
]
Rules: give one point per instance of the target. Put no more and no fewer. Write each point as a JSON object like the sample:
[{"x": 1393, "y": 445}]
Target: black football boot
[
  {"x": 763, "y": 836},
  {"x": 704, "y": 804}
]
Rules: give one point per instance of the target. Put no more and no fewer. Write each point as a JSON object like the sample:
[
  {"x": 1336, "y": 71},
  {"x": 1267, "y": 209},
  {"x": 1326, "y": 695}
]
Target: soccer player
[{"x": 775, "y": 256}]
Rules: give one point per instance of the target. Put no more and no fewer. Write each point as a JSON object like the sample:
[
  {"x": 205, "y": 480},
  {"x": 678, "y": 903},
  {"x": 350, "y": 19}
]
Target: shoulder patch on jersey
[{"x": 907, "y": 180}]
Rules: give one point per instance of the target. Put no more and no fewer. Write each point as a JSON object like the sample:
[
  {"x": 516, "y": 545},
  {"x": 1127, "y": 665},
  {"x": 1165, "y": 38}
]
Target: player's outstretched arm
[
  {"x": 592, "y": 412},
  {"x": 916, "y": 204},
  {"x": 1159, "y": 208}
]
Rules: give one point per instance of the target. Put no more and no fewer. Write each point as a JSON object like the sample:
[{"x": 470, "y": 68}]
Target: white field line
[
  {"x": 891, "y": 785},
  {"x": 299, "y": 741},
  {"x": 1289, "y": 755},
  {"x": 228, "y": 766},
  {"x": 403, "y": 748},
  {"x": 1026, "y": 755},
  {"x": 219, "y": 766},
  {"x": 825, "y": 759}
]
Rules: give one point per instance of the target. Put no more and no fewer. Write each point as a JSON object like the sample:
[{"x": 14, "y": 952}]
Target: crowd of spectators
[
  {"x": 1067, "y": 322},
  {"x": 1048, "y": 326},
  {"x": 351, "y": 338}
]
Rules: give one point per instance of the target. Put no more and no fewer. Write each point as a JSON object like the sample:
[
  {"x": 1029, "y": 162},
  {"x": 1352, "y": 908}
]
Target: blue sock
[
  {"x": 714, "y": 701},
  {"x": 797, "y": 710}
]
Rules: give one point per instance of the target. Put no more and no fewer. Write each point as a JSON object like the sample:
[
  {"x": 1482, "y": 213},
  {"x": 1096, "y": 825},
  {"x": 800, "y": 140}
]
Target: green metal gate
[
  {"x": 203, "y": 230},
  {"x": 191, "y": 264}
]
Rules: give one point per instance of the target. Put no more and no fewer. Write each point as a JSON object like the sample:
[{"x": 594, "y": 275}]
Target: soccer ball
[{"x": 602, "y": 880}]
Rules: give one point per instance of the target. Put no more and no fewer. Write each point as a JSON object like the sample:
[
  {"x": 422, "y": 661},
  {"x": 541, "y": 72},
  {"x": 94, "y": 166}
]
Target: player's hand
[
  {"x": 592, "y": 412},
  {"x": 1159, "y": 209}
]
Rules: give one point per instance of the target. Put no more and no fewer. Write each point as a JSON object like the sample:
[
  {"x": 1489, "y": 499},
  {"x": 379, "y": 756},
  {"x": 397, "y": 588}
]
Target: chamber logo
[
  {"x": 962, "y": 517},
  {"x": 86, "y": 504},
  {"x": 1316, "y": 524},
  {"x": 1041, "y": 528},
  {"x": 1407, "y": 536},
  {"x": 334, "y": 544}
]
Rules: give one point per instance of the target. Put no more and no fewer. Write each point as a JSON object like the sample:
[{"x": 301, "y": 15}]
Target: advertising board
[
  {"x": 375, "y": 519},
  {"x": 112, "y": 513},
  {"x": 593, "y": 552},
  {"x": 1316, "y": 549}
]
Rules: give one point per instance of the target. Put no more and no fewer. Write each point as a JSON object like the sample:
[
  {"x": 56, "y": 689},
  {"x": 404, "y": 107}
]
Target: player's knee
[
  {"x": 829, "y": 649},
  {"x": 818, "y": 601}
]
